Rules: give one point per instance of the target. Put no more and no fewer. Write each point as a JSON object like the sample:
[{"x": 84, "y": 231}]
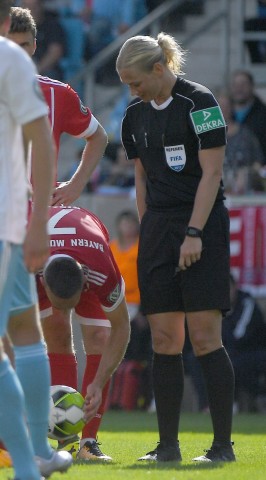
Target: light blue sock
[
  {"x": 13, "y": 429},
  {"x": 33, "y": 369}
]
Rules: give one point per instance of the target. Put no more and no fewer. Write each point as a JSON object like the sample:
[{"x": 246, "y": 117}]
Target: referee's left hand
[{"x": 190, "y": 252}]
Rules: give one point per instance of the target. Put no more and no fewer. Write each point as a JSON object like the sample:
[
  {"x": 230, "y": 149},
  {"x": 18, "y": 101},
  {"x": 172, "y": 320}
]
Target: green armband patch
[{"x": 208, "y": 119}]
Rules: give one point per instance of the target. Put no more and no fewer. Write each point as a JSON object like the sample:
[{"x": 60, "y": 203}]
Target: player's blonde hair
[{"x": 143, "y": 52}]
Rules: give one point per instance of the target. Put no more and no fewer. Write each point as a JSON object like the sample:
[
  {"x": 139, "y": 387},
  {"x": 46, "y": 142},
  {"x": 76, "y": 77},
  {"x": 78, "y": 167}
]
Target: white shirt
[{"x": 21, "y": 102}]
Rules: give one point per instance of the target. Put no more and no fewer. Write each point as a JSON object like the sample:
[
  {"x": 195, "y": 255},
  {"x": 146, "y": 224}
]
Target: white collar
[{"x": 163, "y": 105}]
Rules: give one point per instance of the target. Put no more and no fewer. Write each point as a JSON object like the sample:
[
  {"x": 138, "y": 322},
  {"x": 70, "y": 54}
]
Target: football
[{"x": 66, "y": 412}]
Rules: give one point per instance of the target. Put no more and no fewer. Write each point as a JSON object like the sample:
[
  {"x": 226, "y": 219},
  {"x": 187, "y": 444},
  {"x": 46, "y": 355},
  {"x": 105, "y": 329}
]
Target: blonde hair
[{"x": 144, "y": 51}]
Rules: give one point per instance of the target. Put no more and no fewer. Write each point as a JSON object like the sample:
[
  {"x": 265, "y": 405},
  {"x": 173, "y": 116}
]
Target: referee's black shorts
[{"x": 204, "y": 285}]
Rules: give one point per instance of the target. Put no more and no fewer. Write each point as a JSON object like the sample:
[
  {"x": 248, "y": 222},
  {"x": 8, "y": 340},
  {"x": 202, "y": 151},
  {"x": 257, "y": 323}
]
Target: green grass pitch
[{"x": 126, "y": 436}]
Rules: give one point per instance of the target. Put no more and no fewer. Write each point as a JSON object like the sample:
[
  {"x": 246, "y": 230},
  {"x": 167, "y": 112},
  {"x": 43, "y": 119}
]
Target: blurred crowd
[{"x": 72, "y": 31}]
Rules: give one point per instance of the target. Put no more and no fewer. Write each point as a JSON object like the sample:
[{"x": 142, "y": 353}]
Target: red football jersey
[
  {"x": 67, "y": 113},
  {"x": 80, "y": 234}
]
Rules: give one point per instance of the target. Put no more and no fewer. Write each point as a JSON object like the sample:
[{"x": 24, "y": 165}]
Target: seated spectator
[
  {"x": 131, "y": 385},
  {"x": 50, "y": 40},
  {"x": 73, "y": 9},
  {"x": 73, "y": 18},
  {"x": 109, "y": 19},
  {"x": 188, "y": 6},
  {"x": 140, "y": 10},
  {"x": 125, "y": 250},
  {"x": 114, "y": 175},
  {"x": 244, "y": 337},
  {"x": 257, "y": 48},
  {"x": 118, "y": 176},
  {"x": 175, "y": 20},
  {"x": 113, "y": 124},
  {"x": 243, "y": 154},
  {"x": 249, "y": 109},
  {"x": 152, "y": 4}
]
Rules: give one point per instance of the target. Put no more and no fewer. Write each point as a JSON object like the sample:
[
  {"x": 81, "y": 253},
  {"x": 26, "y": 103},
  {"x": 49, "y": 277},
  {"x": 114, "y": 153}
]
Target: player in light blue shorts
[
  {"x": 25, "y": 390},
  {"x": 17, "y": 285},
  {"x": 20, "y": 318}
]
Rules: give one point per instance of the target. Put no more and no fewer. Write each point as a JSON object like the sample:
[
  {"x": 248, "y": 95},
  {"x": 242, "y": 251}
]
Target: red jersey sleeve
[
  {"x": 67, "y": 114},
  {"x": 78, "y": 119}
]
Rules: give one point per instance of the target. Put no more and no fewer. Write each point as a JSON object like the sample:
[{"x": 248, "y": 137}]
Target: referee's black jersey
[{"x": 167, "y": 141}]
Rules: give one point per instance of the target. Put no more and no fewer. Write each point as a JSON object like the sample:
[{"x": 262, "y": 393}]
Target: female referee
[{"x": 176, "y": 133}]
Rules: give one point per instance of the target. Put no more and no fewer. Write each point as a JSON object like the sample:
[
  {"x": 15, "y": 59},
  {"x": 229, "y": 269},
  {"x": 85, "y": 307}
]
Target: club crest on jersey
[
  {"x": 207, "y": 119},
  {"x": 175, "y": 157},
  {"x": 83, "y": 109},
  {"x": 114, "y": 295}
]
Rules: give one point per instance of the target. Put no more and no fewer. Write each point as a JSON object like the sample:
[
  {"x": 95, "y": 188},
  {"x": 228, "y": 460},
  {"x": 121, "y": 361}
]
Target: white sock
[{"x": 84, "y": 440}]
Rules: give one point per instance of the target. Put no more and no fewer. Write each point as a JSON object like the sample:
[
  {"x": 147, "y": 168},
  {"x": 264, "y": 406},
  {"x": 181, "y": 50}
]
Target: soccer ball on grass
[{"x": 66, "y": 412}]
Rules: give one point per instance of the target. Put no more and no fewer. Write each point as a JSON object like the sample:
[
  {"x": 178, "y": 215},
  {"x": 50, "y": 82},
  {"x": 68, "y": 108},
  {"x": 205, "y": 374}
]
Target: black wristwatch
[{"x": 193, "y": 232}]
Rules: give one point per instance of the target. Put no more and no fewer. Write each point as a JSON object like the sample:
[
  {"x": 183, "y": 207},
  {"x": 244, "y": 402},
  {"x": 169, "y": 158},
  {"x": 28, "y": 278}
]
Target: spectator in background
[
  {"x": 244, "y": 337},
  {"x": 249, "y": 109},
  {"x": 51, "y": 40},
  {"x": 125, "y": 250},
  {"x": 79, "y": 8},
  {"x": 113, "y": 124},
  {"x": 191, "y": 6},
  {"x": 152, "y": 4},
  {"x": 109, "y": 19},
  {"x": 118, "y": 176},
  {"x": 73, "y": 16},
  {"x": 135, "y": 370},
  {"x": 257, "y": 48},
  {"x": 243, "y": 154},
  {"x": 114, "y": 175},
  {"x": 140, "y": 9}
]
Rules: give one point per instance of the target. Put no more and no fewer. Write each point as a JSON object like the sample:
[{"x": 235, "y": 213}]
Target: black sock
[
  {"x": 219, "y": 377},
  {"x": 168, "y": 386}
]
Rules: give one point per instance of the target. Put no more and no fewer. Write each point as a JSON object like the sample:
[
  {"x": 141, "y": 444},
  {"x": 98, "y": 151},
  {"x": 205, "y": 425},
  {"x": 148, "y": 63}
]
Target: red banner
[{"x": 248, "y": 247}]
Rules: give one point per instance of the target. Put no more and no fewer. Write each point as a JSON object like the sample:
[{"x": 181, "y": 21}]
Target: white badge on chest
[{"x": 175, "y": 157}]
